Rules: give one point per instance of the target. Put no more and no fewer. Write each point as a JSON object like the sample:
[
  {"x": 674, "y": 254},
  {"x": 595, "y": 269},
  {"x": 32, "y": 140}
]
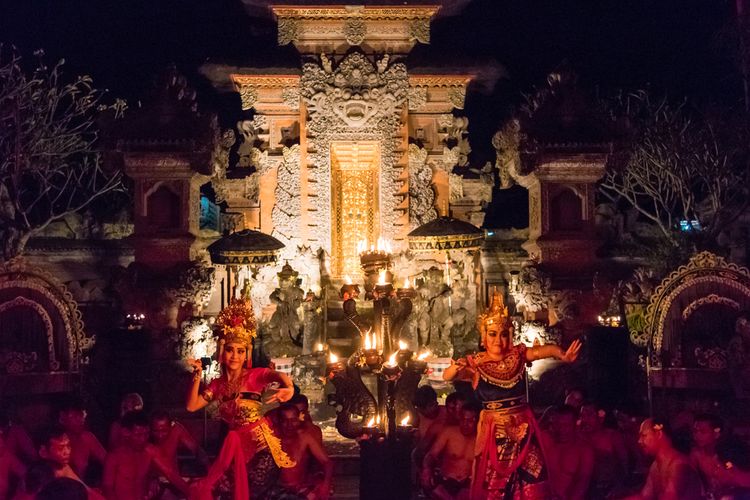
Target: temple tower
[{"x": 353, "y": 147}]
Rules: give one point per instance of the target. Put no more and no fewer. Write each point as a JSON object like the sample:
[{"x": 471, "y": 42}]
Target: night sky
[{"x": 676, "y": 46}]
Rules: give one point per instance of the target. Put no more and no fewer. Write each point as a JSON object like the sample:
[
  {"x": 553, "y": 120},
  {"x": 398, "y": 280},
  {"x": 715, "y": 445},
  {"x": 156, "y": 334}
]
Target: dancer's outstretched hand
[
  {"x": 281, "y": 396},
  {"x": 572, "y": 353}
]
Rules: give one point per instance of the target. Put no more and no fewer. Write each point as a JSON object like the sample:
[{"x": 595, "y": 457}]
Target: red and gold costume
[
  {"x": 509, "y": 461},
  {"x": 240, "y": 407}
]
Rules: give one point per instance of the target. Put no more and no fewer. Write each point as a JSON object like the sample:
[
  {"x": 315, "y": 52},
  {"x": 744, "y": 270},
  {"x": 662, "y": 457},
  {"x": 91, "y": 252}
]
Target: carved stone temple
[{"x": 351, "y": 146}]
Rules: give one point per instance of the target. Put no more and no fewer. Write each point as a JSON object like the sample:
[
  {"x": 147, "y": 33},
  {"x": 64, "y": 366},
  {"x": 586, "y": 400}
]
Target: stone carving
[
  {"x": 421, "y": 190},
  {"x": 354, "y": 31},
  {"x": 456, "y": 149},
  {"x": 419, "y": 30},
  {"x": 312, "y": 309},
  {"x": 194, "y": 285},
  {"x": 434, "y": 321},
  {"x": 445, "y": 121},
  {"x": 535, "y": 294},
  {"x": 284, "y": 328},
  {"x": 356, "y": 101},
  {"x": 16, "y": 273},
  {"x": 286, "y": 211},
  {"x": 291, "y": 97},
  {"x": 197, "y": 339},
  {"x": 417, "y": 97},
  {"x": 711, "y": 358},
  {"x": 248, "y": 96},
  {"x": 455, "y": 187},
  {"x": 353, "y": 401},
  {"x": 457, "y": 97},
  {"x": 288, "y": 30}
]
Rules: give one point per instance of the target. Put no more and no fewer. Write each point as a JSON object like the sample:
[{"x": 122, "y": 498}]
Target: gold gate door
[{"x": 355, "y": 169}]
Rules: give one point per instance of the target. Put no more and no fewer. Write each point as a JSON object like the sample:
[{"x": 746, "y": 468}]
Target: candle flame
[
  {"x": 368, "y": 342},
  {"x": 407, "y": 284},
  {"x": 381, "y": 277},
  {"x": 424, "y": 356},
  {"x": 371, "y": 422},
  {"x": 332, "y": 358},
  {"x": 377, "y": 420},
  {"x": 392, "y": 360},
  {"x": 319, "y": 347},
  {"x": 402, "y": 346},
  {"x": 348, "y": 280},
  {"x": 405, "y": 420}
]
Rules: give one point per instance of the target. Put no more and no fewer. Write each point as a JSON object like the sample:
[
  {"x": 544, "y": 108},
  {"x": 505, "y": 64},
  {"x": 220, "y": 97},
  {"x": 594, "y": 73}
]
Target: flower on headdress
[
  {"x": 601, "y": 413},
  {"x": 728, "y": 465},
  {"x": 658, "y": 427}
]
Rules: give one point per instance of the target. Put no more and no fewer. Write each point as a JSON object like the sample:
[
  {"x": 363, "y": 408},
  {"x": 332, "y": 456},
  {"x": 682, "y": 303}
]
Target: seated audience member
[
  {"x": 303, "y": 405},
  {"x": 610, "y": 454},
  {"x": 126, "y": 469},
  {"x": 63, "y": 488},
  {"x": 11, "y": 469},
  {"x": 428, "y": 410},
  {"x": 707, "y": 431},
  {"x": 83, "y": 443},
  {"x": 574, "y": 397},
  {"x": 17, "y": 440},
  {"x": 130, "y": 402},
  {"x": 671, "y": 477},
  {"x": 733, "y": 474},
  {"x": 300, "y": 445},
  {"x": 56, "y": 450},
  {"x": 37, "y": 476},
  {"x": 570, "y": 459},
  {"x": 168, "y": 436},
  {"x": 452, "y": 414},
  {"x": 448, "y": 465}
]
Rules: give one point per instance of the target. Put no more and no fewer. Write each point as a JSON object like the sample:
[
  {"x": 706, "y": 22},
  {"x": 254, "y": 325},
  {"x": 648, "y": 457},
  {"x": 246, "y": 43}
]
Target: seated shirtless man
[
  {"x": 84, "y": 445},
  {"x": 570, "y": 459},
  {"x": 300, "y": 446},
  {"x": 610, "y": 454},
  {"x": 11, "y": 468},
  {"x": 447, "y": 467},
  {"x": 303, "y": 405},
  {"x": 126, "y": 470},
  {"x": 671, "y": 477},
  {"x": 168, "y": 436},
  {"x": 56, "y": 450}
]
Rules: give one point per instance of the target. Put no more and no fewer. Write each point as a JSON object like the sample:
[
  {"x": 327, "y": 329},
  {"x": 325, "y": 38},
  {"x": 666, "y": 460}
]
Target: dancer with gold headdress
[
  {"x": 238, "y": 391},
  {"x": 509, "y": 461}
]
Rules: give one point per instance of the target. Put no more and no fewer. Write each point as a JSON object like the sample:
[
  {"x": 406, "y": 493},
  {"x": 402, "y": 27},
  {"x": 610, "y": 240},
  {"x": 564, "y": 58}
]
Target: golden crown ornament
[{"x": 236, "y": 322}]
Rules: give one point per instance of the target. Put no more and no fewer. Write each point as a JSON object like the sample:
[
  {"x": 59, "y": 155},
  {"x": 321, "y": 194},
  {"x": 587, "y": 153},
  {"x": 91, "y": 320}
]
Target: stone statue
[
  {"x": 434, "y": 321},
  {"x": 311, "y": 314},
  {"x": 284, "y": 327}
]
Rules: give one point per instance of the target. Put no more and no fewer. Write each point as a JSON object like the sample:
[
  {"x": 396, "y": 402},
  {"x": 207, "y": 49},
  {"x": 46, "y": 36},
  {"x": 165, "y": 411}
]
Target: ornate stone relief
[
  {"x": 419, "y": 30},
  {"x": 421, "y": 191},
  {"x": 286, "y": 211},
  {"x": 354, "y": 31},
  {"x": 457, "y": 97},
  {"x": 417, "y": 97},
  {"x": 248, "y": 96},
  {"x": 358, "y": 101},
  {"x": 456, "y": 150},
  {"x": 291, "y": 97},
  {"x": 288, "y": 30},
  {"x": 455, "y": 187}
]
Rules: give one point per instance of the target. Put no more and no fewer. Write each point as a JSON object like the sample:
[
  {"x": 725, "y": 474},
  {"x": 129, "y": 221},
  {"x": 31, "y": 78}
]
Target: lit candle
[
  {"x": 404, "y": 354},
  {"x": 333, "y": 366},
  {"x": 382, "y": 277},
  {"x": 404, "y": 428},
  {"x": 390, "y": 368},
  {"x": 319, "y": 347}
]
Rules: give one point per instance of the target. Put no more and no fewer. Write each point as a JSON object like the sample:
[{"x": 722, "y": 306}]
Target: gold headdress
[
  {"x": 496, "y": 314},
  {"x": 236, "y": 322}
]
